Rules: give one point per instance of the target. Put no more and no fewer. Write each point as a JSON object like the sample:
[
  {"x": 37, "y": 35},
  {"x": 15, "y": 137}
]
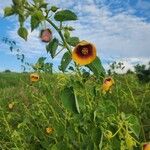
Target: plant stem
[
  {"x": 64, "y": 41},
  {"x": 60, "y": 33}
]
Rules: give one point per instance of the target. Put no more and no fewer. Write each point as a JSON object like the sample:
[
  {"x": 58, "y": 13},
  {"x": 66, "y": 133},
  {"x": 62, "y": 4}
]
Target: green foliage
[
  {"x": 80, "y": 118},
  {"x": 66, "y": 59},
  {"x": 17, "y": 2},
  {"x": 65, "y": 15},
  {"x": 41, "y": 66},
  {"x": 72, "y": 106},
  {"x": 54, "y": 8},
  {"x": 97, "y": 68},
  {"x": 69, "y": 100},
  {"x": 52, "y": 47},
  {"x": 73, "y": 41},
  {"x": 8, "y": 11},
  {"x": 23, "y": 33},
  {"x": 36, "y": 19},
  {"x": 142, "y": 73},
  {"x": 135, "y": 126}
]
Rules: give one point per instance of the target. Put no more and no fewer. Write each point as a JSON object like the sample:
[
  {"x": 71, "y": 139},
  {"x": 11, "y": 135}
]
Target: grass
[{"x": 35, "y": 107}]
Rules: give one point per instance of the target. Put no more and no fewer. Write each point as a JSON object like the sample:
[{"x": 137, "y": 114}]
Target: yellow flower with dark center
[
  {"x": 46, "y": 35},
  {"x": 11, "y": 105},
  {"x": 146, "y": 146},
  {"x": 49, "y": 130},
  {"x": 107, "y": 84},
  {"x": 84, "y": 53},
  {"x": 34, "y": 77}
]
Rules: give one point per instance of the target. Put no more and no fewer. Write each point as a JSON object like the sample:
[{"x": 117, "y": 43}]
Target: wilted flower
[
  {"x": 11, "y": 105},
  {"x": 107, "y": 84},
  {"x": 84, "y": 53},
  {"x": 34, "y": 77},
  {"x": 49, "y": 130},
  {"x": 146, "y": 146},
  {"x": 46, "y": 35}
]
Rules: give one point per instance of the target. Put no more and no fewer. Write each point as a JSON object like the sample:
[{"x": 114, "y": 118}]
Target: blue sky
[{"x": 120, "y": 29}]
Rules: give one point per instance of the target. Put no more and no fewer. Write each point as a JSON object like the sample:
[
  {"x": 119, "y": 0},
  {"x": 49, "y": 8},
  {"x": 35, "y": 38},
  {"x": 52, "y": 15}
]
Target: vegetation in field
[
  {"x": 43, "y": 115},
  {"x": 82, "y": 109}
]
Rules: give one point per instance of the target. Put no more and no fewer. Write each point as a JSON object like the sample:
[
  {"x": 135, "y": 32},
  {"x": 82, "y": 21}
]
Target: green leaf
[
  {"x": 41, "y": 60},
  {"x": 69, "y": 28},
  {"x": 73, "y": 41},
  {"x": 134, "y": 125},
  {"x": 8, "y": 11},
  {"x": 65, "y": 15},
  {"x": 36, "y": 19},
  {"x": 66, "y": 59},
  {"x": 44, "y": 5},
  {"x": 23, "y": 33},
  {"x": 68, "y": 99},
  {"x": 52, "y": 47},
  {"x": 17, "y": 2},
  {"x": 97, "y": 68},
  {"x": 67, "y": 34},
  {"x": 54, "y": 8}
]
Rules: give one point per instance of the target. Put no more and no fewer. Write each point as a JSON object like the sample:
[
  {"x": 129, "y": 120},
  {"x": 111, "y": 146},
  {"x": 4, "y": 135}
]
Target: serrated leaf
[
  {"x": 36, "y": 19},
  {"x": 65, "y": 15},
  {"x": 66, "y": 59},
  {"x": 68, "y": 99},
  {"x": 52, "y": 47},
  {"x": 8, "y": 11},
  {"x": 97, "y": 68},
  {"x": 73, "y": 41},
  {"x": 23, "y": 33}
]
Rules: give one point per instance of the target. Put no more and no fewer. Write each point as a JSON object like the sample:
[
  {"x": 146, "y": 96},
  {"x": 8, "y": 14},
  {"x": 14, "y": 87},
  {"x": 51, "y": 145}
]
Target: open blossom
[
  {"x": 107, "y": 84},
  {"x": 84, "y": 53},
  {"x": 49, "y": 130},
  {"x": 146, "y": 146},
  {"x": 34, "y": 77},
  {"x": 46, "y": 35},
  {"x": 11, "y": 105}
]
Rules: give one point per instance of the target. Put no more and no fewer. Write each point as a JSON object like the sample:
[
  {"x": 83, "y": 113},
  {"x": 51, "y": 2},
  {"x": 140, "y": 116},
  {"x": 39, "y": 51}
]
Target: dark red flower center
[
  {"x": 84, "y": 51},
  {"x": 108, "y": 79},
  {"x": 35, "y": 77}
]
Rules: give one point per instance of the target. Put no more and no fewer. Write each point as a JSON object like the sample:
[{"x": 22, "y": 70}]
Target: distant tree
[
  {"x": 114, "y": 67},
  {"x": 7, "y": 71},
  {"x": 142, "y": 73},
  {"x": 129, "y": 71}
]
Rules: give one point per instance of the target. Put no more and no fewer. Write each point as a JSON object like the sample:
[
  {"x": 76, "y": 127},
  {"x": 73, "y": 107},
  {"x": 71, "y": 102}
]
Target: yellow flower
[
  {"x": 146, "y": 146},
  {"x": 84, "y": 53},
  {"x": 46, "y": 35},
  {"x": 49, "y": 130},
  {"x": 34, "y": 77},
  {"x": 107, "y": 84},
  {"x": 11, "y": 105}
]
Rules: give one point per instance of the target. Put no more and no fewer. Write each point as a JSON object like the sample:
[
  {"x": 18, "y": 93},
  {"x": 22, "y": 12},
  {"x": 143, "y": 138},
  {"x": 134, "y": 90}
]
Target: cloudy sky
[{"x": 120, "y": 29}]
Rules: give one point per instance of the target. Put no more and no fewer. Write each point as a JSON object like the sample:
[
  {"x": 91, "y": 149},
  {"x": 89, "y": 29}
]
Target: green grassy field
[{"x": 114, "y": 121}]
